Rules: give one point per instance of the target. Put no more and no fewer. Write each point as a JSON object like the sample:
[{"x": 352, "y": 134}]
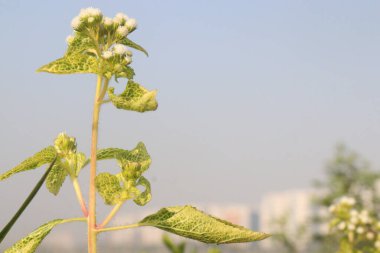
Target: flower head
[
  {"x": 128, "y": 59},
  {"x": 107, "y": 21},
  {"x": 69, "y": 39},
  {"x": 107, "y": 54},
  {"x": 76, "y": 22},
  {"x": 131, "y": 24},
  {"x": 120, "y": 18},
  {"x": 122, "y": 31},
  {"x": 119, "y": 49}
]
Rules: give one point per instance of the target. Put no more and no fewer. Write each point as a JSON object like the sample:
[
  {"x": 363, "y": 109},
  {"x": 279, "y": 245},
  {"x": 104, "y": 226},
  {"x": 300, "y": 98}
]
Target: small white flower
[
  {"x": 94, "y": 11},
  {"x": 354, "y": 213},
  {"x": 107, "y": 21},
  {"x": 69, "y": 39},
  {"x": 76, "y": 22},
  {"x": 131, "y": 24},
  {"x": 332, "y": 208},
  {"x": 122, "y": 31},
  {"x": 120, "y": 18},
  {"x": 119, "y": 49},
  {"x": 370, "y": 236},
  {"x": 351, "y": 227},
  {"x": 107, "y": 54},
  {"x": 351, "y": 201},
  {"x": 90, "y": 19},
  {"x": 360, "y": 230},
  {"x": 84, "y": 13},
  {"x": 354, "y": 220},
  {"x": 377, "y": 244},
  {"x": 128, "y": 59},
  {"x": 342, "y": 225}
]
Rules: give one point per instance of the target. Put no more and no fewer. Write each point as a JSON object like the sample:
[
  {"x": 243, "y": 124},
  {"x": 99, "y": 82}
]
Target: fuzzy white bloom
[
  {"x": 107, "y": 21},
  {"x": 347, "y": 201},
  {"x": 90, "y": 19},
  {"x": 120, "y": 18},
  {"x": 351, "y": 227},
  {"x": 88, "y": 12},
  {"x": 377, "y": 244},
  {"x": 332, "y": 208},
  {"x": 107, "y": 54},
  {"x": 354, "y": 213},
  {"x": 342, "y": 225},
  {"x": 128, "y": 59},
  {"x": 94, "y": 11},
  {"x": 76, "y": 22},
  {"x": 131, "y": 23},
  {"x": 122, "y": 31},
  {"x": 119, "y": 49},
  {"x": 360, "y": 230},
  {"x": 354, "y": 220},
  {"x": 370, "y": 236},
  {"x": 69, "y": 39}
]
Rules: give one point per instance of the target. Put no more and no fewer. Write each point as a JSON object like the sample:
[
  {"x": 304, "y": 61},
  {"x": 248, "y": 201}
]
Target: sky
[{"x": 253, "y": 96}]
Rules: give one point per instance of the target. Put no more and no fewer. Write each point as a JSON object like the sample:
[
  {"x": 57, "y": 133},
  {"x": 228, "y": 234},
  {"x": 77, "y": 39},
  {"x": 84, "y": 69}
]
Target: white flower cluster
[
  {"x": 86, "y": 16},
  {"x": 358, "y": 226}
]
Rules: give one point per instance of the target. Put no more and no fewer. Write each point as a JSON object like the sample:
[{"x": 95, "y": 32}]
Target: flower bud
[
  {"x": 122, "y": 31},
  {"x": 119, "y": 49},
  {"x": 107, "y": 21},
  {"x": 342, "y": 225},
  {"x": 360, "y": 230},
  {"x": 76, "y": 22},
  {"x": 120, "y": 18},
  {"x": 65, "y": 144},
  {"x": 107, "y": 54},
  {"x": 370, "y": 236},
  {"x": 69, "y": 39},
  {"x": 131, "y": 24},
  {"x": 127, "y": 59}
]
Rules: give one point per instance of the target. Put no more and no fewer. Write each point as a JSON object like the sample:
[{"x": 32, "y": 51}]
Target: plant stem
[
  {"x": 119, "y": 228},
  {"x": 110, "y": 215},
  {"x": 104, "y": 90},
  {"x": 79, "y": 196},
  {"x": 92, "y": 190}
]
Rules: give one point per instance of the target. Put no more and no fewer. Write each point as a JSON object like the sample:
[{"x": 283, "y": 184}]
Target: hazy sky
[{"x": 253, "y": 95}]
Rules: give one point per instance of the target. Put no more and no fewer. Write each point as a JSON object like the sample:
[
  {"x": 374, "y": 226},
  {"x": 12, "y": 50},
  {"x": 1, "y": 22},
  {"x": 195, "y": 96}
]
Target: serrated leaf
[
  {"x": 144, "y": 197},
  {"x": 127, "y": 42},
  {"x": 71, "y": 64},
  {"x": 30, "y": 243},
  {"x": 56, "y": 178},
  {"x": 45, "y": 156},
  {"x": 81, "y": 161},
  {"x": 189, "y": 222},
  {"x": 134, "y": 98},
  {"x": 80, "y": 44},
  {"x": 109, "y": 188}
]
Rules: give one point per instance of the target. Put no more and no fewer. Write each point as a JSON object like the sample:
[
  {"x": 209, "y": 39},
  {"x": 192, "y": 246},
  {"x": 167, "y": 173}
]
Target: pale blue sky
[{"x": 253, "y": 95}]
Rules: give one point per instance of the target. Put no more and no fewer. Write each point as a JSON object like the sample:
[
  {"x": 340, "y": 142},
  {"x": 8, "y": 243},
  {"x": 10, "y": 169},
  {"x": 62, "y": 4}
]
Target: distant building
[{"x": 288, "y": 211}]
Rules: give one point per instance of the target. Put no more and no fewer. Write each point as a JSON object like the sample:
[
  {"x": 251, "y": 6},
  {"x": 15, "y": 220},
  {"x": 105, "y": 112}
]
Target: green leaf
[
  {"x": 81, "y": 162},
  {"x": 134, "y": 98},
  {"x": 80, "y": 44},
  {"x": 144, "y": 197},
  {"x": 72, "y": 63},
  {"x": 109, "y": 188},
  {"x": 56, "y": 178},
  {"x": 45, "y": 156},
  {"x": 189, "y": 222},
  {"x": 127, "y": 42},
  {"x": 109, "y": 153},
  {"x": 30, "y": 243}
]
